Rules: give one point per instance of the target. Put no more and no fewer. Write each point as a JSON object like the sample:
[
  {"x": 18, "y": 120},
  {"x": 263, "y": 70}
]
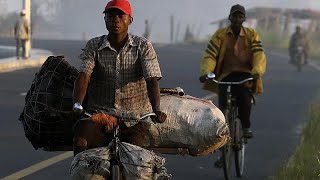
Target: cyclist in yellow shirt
[{"x": 235, "y": 53}]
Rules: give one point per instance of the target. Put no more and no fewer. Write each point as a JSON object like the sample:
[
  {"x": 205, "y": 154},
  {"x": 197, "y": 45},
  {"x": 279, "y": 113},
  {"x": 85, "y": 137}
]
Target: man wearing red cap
[{"x": 119, "y": 73}]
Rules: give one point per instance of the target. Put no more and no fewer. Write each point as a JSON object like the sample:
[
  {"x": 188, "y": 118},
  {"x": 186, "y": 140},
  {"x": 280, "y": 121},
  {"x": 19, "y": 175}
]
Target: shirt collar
[
  {"x": 106, "y": 42},
  {"x": 242, "y": 31}
]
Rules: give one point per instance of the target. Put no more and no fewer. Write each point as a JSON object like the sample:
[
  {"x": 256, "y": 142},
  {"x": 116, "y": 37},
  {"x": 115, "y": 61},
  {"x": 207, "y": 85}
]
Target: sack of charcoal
[
  {"x": 135, "y": 163},
  {"x": 194, "y": 126},
  {"x": 47, "y": 116}
]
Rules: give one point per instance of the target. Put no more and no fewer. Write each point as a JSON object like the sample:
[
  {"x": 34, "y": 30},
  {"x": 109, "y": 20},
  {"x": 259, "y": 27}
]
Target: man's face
[
  {"x": 237, "y": 18},
  {"x": 117, "y": 22}
]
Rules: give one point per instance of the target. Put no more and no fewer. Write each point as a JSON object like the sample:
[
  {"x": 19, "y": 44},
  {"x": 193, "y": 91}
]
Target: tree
[{"x": 7, "y": 24}]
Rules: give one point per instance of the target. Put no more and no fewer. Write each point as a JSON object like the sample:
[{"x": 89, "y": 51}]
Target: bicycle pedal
[
  {"x": 218, "y": 163},
  {"x": 237, "y": 147}
]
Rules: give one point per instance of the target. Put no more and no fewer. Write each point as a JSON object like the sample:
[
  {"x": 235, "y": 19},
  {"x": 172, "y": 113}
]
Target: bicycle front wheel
[
  {"x": 227, "y": 150},
  {"x": 115, "y": 172},
  {"x": 240, "y": 147},
  {"x": 227, "y": 163}
]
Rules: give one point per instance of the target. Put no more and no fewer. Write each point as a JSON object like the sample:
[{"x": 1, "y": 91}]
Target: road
[{"x": 277, "y": 117}]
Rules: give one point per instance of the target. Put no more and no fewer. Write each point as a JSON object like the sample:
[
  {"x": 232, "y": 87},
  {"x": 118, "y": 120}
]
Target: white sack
[
  {"x": 194, "y": 126},
  {"x": 136, "y": 164}
]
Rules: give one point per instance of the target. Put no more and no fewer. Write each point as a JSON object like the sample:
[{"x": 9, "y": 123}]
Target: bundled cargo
[
  {"x": 47, "y": 117},
  {"x": 194, "y": 126},
  {"x": 136, "y": 164}
]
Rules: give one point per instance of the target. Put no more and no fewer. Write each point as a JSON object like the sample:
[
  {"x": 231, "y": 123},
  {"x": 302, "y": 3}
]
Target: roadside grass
[
  {"x": 315, "y": 45},
  {"x": 305, "y": 162}
]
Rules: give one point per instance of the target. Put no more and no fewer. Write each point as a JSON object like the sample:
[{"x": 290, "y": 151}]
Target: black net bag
[{"x": 47, "y": 116}]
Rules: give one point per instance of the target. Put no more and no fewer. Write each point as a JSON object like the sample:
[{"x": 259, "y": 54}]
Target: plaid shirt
[{"x": 117, "y": 83}]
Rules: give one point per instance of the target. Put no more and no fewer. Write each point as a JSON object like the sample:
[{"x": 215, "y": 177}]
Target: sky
[{"x": 196, "y": 13}]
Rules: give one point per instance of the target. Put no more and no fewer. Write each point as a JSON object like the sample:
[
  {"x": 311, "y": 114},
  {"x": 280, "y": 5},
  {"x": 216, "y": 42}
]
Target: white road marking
[{"x": 39, "y": 166}]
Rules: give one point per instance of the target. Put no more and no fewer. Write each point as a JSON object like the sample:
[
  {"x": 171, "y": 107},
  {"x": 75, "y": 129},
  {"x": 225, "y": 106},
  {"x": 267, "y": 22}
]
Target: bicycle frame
[
  {"x": 236, "y": 145},
  {"x": 114, "y": 167}
]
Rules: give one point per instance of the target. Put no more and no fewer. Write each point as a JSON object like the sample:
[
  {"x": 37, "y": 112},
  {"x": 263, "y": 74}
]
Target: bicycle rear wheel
[
  {"x": 227, "y": 151},
  {"x": 239, "y": 149}
]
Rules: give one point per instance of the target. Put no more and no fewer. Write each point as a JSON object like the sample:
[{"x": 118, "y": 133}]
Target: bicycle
[
  {"x": 238, "y": 142},
  {"x": 115, "y": 162}
]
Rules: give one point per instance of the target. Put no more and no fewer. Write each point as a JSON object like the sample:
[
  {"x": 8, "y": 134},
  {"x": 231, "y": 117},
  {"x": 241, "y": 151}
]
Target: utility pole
[
  {"x": 171, "y": 29},
  {"x": 27, "y": 8},
  {"x": 177, "y": 33}
]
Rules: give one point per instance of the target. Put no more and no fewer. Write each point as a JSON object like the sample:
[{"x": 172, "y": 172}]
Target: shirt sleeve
[
  {"x": 210, "y": 56},
  {"x": 259, "y": 57},
  {"x": 87, "y": 58},
  {"x": 149, "y": 61}
]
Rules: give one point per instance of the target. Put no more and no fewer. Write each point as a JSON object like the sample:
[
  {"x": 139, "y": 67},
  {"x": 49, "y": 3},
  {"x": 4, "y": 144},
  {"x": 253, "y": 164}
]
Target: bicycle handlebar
[
  {"x": 211, "y": 76},
  {"x": 147, "y": 115},
  {"x": 232, "y": 83},
  {"x": 141, "y": 117},
  {"x": 77, "y": 107},
  {"x": 177, "y": 90}
]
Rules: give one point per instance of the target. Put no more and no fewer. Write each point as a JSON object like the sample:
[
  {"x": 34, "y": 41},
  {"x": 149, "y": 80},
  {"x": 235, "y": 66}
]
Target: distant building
[
  {"x": 188, "y": 37},
  {"x": 279, "y": 20}
]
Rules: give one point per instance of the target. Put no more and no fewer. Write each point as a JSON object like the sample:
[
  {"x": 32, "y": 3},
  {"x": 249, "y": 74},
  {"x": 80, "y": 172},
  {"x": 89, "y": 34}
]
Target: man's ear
[{"x": 131, "y": 20}]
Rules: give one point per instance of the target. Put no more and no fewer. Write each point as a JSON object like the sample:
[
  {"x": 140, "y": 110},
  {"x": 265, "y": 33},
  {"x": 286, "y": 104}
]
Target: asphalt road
[
  {"x": 276, "y": 119},
  {"x": 4, "y": 53}
]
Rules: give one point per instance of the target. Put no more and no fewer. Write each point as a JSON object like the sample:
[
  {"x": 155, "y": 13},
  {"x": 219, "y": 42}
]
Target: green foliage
[
  {"x": 273, "y": 39},
  {"x": 7, "y": 24},
  {"x": 315, "y": 45},
  {"x": 304, "y": 164}
]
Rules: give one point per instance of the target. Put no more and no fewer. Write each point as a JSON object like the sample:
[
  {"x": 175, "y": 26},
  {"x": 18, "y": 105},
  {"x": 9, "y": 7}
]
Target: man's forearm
[
  {"x": 154, "y": 93},
  {"x": 80, "y": 87}
]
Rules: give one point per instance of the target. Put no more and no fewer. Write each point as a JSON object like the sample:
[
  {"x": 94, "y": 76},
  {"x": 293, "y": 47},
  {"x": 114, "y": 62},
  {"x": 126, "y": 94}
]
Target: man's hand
[
  {"x": 248, "y": 84},
  {"x": 105, "y": 119},
  {"x": 160, "y": 117},
  {"x": 251, "y": 84},
  {"x": 203, "y": 78},
  {"x": 255, "y": 76}
]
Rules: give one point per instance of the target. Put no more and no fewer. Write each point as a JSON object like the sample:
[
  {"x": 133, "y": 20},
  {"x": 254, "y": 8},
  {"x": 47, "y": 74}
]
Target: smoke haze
[{"x": 85, "y": 18}]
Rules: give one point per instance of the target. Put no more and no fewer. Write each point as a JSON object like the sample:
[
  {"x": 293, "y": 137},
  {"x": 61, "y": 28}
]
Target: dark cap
[{"x": 238, "y": 8}]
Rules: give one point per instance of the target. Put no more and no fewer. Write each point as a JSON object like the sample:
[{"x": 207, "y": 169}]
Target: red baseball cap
[{"x": 122, "y": 5}]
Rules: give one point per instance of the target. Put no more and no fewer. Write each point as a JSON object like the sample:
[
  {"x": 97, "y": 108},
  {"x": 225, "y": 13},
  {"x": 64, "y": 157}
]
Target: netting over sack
[
  {"x": 47, "y": 117},
  {"x": 136, "y": 163}
]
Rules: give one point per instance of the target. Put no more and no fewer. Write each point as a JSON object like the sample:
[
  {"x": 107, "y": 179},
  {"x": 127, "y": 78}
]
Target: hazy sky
[{"x": 197, "y": 13}]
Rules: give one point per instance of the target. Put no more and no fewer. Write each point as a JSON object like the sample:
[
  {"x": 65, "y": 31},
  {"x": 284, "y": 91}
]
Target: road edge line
[{"x": 41, "y": 165}]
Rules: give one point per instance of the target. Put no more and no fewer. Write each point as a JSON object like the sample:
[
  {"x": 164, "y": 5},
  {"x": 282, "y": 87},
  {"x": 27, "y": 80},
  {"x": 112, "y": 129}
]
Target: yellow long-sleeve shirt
[{"x": 213, "y": 57}]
